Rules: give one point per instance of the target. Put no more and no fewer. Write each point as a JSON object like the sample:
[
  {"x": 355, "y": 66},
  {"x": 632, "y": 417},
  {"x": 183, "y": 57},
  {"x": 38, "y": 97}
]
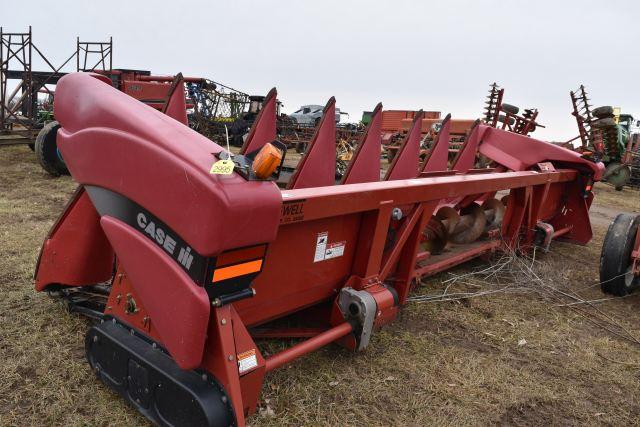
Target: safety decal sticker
[
  {"x": 321, "y": 246},
  {"x": 326, "y": 250},
  {"x": 334, "y": 250},
  {"x": 247, "y": 361}
]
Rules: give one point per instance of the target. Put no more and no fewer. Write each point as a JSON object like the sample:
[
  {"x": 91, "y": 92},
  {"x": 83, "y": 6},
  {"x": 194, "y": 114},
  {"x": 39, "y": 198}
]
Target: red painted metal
[
  {"x": 466, "y": 158},
  {"x": 308, "y": 346},
  {"x": 324, "y": 241},
  {"x": 437, "y": 263},
  {"x": 519, "y": 152},
  {"x": 179, "y": 308},
  {"x": 94, "y": 111},
  {"x": 405, "y": 163},
  {"x": 437, "y": 158},
  {"x": 317, "y": 167},
  {"x": 176, "y": 106},
  {"x": 76, "y": 252},
  {"x": 365, "y": 163},
  {"x": 264, "y": 129}
]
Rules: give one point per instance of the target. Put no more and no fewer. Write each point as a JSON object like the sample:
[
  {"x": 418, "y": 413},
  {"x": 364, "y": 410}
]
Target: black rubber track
[
  {"x": 605, "y": 111},
  {"x": 615, "y": 258},
  {"x": 512, "y": 109}
]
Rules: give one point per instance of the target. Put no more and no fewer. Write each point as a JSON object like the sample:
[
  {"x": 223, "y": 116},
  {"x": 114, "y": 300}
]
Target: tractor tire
[
  {"x": 508, "y": 108},
  {"x": 603, "y": 112},
  {"x": 615, "y": 258},
  {"x": 502, "y": 118},
  {"x": 47, "y": 152},
  {"x": 617, "y": 175},
  {"x": 604, "y": 122}
]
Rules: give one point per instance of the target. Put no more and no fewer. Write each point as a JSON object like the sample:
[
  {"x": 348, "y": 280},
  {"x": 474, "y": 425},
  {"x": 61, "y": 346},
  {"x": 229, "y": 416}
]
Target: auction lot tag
[{"x": 222, "y": 167}]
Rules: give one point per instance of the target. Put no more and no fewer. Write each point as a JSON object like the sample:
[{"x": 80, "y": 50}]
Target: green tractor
[{"x": 610, "y": 137}]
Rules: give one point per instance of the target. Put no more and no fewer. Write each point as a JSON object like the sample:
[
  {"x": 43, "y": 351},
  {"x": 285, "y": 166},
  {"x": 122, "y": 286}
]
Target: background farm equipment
[
  {"x": 27, "y": 96},
  {"x": 610, "y": 137},
  {"x": 497, "y": 114},
  {"x": 201, "y": 275},
  {"x": 26, "y": 104},
  {"x": 505, "y": 116}
]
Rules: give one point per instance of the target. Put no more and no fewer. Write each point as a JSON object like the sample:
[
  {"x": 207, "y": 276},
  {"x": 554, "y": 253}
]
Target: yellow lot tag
[{"x": 222, "y": 167}]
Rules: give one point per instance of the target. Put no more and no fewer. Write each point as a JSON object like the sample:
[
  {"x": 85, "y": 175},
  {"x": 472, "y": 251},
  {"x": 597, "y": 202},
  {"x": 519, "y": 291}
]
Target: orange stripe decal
[{"x": 236, "y": 270}]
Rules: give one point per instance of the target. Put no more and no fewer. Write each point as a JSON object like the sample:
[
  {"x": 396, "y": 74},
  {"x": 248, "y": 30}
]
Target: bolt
[
  {"x": 204, "y": 377},
  {"x": 95, "y": 338},
  {"x": 154, "y": 345},
  {"x": 230, "y": 358},
  {"x": 396, "y": 214},
  {"x": 223, "y": 321},
  {"x": 224, "y": 399}
]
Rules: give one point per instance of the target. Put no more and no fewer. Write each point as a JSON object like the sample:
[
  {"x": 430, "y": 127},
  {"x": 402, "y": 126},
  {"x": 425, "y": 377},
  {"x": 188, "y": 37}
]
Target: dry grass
[
  {"x": 628, "y": 199},
  {"x": 441, "y": 363}
]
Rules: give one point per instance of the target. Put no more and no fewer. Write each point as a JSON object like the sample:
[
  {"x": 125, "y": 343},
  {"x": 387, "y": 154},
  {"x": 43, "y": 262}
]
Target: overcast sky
[{"x": 406, "y": 54}]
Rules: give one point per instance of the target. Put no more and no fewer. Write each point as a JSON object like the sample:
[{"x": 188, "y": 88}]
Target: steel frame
[{"x": 19, "y": 121}]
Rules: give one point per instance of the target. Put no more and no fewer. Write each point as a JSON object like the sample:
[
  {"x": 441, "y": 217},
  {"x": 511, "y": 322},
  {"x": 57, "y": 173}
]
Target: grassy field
[{"x": 508, "y": 358}]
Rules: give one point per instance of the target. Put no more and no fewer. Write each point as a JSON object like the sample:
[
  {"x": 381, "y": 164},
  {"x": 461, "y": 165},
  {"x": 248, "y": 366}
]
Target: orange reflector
[
  {"x": 236, "y": 270},
  {"x": 266, "y": 161}
]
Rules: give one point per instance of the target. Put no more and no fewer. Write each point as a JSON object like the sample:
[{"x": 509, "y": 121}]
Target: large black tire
[
  {"x": 604, "y": 122},
  {"x": 46, "y": 150},
  {"x": 615, "y": 259},
  {"x": 601, "y": 112},
  {"x": 508, "y": 108},
  {"x": 502, "y": 118}
]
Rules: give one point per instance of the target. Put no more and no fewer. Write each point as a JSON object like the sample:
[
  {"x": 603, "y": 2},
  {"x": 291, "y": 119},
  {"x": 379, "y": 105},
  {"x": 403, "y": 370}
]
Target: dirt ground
[{"x": 508, "y": 358}]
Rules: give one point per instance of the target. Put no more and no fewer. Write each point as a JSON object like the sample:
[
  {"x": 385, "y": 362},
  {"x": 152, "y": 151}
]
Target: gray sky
[{"x": 406, "y": 54}]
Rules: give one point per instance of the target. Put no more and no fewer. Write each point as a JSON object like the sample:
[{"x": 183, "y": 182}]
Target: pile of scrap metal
[
  {"x": 497, "y": 114},
  {"x": 611, "y": 137},
  {"x": 198, "y": 254}
]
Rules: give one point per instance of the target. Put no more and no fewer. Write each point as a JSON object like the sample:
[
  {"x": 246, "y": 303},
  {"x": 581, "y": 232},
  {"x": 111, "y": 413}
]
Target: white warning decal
[
  {"x": 321, "y": 246},
  {"x": 247, "y": 361},
  {"x": 334, "y": 250},
  {"x": 326, "y": 250}
]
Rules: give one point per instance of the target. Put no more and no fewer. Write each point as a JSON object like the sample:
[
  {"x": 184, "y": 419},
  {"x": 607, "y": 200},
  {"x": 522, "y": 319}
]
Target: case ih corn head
[{"x": 188, "y": 257}]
